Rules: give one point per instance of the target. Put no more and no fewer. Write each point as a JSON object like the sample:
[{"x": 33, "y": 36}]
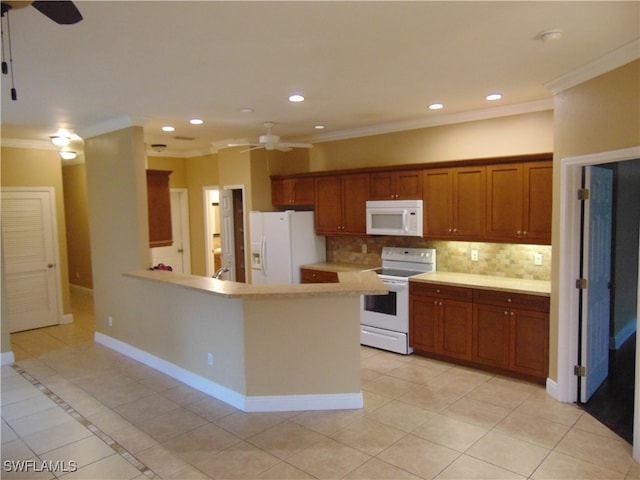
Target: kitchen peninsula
[{"x": 256, "y": 347}]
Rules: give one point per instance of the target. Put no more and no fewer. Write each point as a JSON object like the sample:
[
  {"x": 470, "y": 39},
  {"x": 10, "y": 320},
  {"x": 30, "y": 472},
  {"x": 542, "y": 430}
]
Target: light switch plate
[
  {"x": 474, "y": 255},
  {"x": 537, "y": 259}
]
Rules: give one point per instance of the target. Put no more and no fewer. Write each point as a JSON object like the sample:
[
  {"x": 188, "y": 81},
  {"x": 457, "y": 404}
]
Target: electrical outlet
[
  {"x": 110, "y": 320},
  {"x": 474, "y": 255},
  {"x": 537, "y": 259},
  {"x": 209, "y": 358}
]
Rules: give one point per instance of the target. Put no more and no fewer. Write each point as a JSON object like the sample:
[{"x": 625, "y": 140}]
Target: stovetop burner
[{"x": 405, "y": 262}]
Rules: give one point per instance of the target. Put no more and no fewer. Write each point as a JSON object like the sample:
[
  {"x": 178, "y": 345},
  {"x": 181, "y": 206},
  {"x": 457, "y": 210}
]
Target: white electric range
[{"x": 384, "y": 319}]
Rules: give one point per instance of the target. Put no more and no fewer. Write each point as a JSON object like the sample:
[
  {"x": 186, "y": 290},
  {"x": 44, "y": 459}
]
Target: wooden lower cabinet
[
  {"x": 502, "y": 331},
  {"x": 441, "y": 321},
  {"x": 309, "y": 275}
]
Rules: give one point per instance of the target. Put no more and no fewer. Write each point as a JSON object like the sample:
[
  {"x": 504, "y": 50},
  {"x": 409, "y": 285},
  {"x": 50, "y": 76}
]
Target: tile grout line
[{"x": 115, "y": 446}]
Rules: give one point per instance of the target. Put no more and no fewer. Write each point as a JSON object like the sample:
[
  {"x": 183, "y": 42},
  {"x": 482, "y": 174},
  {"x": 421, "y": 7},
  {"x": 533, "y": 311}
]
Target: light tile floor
[{"x": 69, "y": 404}]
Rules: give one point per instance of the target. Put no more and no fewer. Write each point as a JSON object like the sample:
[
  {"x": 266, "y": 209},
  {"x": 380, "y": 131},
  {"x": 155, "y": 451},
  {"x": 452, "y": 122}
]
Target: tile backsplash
[{"x": 499, "y": 259}]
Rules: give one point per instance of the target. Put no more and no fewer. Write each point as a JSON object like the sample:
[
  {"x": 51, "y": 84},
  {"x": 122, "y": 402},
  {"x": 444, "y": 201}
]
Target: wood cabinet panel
[
  {"x": 454, "y": 203},
  {"x": 490, "y": 336},
  {"x": 309, "y": 275},
  {"x": 400, "y": 185},
  {"x": 496, "y": 329},
  {"x": 159, "y": 208},
  {"x": 293, "y": 192},
  {"x": 519, "y": 198},
  {"x": 529, "y": 343},
  {"x": 341, "y": 204},
  {"x": 439, "y": 324}
]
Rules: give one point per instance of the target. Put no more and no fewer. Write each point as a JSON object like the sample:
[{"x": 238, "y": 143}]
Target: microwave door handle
[{"x": 405, "y": 221}]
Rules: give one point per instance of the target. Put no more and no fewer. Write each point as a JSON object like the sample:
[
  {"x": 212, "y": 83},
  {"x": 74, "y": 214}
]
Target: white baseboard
[
  {"x": 270, "y": 403},
  {"x": 552, "y": 389},
  {"x": 66, "y": 318},
  {"x": 7, "y": 358}
]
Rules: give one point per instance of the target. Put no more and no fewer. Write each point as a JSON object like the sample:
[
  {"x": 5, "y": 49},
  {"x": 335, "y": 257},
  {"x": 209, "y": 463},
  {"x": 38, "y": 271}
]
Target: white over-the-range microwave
[{"x": 394, "y": 217}]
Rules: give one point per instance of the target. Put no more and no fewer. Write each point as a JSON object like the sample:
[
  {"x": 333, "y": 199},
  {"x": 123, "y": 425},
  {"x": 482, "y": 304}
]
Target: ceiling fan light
[
  {"x": 60, "y": 141},
  {"x": 67, "y": 154}
]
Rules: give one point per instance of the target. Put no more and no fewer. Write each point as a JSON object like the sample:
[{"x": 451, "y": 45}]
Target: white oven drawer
[{"x": 385, "y": 339}]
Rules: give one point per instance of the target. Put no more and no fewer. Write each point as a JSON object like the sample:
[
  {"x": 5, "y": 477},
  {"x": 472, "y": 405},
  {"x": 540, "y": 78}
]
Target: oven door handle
[{"x": 395, "y": 283}]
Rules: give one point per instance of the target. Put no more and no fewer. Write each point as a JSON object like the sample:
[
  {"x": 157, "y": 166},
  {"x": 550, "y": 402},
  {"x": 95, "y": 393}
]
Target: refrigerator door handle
[{"x": 263, "y": 251}]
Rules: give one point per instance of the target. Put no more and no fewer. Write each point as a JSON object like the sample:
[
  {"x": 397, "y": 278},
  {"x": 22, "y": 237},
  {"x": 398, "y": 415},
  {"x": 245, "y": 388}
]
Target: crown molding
[
  {"x": 34, "y": 144},
  {"x": 612, "y": 60},
  {"x": 447, "y": 119}
]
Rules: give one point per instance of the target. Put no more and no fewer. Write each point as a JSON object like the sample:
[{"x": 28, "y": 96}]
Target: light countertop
[
  {"x": 337, "y": 267},
  {"x": 487, "y": 282},
  {"x": 350, "y": 284}
]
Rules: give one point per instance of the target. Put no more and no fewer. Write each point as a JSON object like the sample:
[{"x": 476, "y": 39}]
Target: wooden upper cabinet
[
  {"x": 341, "y": 204},
  {"x": 519, "y": 202},
  {"x": 398, "y": 185},
  {"x": 159, "y": 208},
  {"x": 288, "y": 192},
  {"x": 454, "y": 203}
]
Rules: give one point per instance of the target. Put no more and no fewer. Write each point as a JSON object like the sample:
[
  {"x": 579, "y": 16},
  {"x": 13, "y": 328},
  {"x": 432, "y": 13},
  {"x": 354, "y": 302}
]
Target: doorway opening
[
  {"x": 225, "y": 251},
  {"x": 610, "y": 258},
  {"x": 566, "y": 387}
]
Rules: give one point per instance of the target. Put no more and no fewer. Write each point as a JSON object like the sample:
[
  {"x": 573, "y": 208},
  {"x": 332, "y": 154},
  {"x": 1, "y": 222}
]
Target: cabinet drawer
[
  {"x": 317, "y": 276},
  {"x": 511, "y": 300},
  {"x": 440, "y": 291}
]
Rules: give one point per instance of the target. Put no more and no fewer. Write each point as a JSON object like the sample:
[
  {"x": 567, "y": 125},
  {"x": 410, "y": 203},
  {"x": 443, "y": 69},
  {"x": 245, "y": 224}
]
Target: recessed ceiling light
[
  {"x": 168, "y": 128},
  {"x": 319, "y": 127},
  {"x": 493, "y": 96},
  {"x": 196, "y": 121},
  {"x": 436, "y": 106},
  {"x": 296, "y": 98},
  {"x": 550, "y": 35},
  {"x": 246, "y": 110}
]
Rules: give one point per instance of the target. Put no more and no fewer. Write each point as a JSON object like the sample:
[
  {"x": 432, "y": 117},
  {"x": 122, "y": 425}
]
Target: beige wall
[
  {"x": 177, "y": 166},
  {"x": 77, "y": 225},
  {"x": 21, "y": 167},
  {"x": 118, "y": 219},
  {"x": 599, "y": 115},
  {"x": 201, "y": 172},
  {"x": 512, "y": 135}
]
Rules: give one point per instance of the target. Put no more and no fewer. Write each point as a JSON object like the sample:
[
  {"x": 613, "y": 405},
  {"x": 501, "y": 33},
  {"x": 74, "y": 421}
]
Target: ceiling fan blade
[
  {"x": 62, "y": 12},
  {"x": 242, "y": 145},
  {"x": 258, "y": 147},
  {"x": 295, "y": 145}
]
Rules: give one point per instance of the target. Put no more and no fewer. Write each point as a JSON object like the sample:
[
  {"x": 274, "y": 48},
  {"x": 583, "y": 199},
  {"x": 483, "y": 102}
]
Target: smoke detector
[
  {"x": 158, "y": 147},
  {"x": 550, "y": 35}
]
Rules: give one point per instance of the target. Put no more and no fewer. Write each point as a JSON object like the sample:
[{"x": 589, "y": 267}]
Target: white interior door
[
  {"x": 228, "y": 254},
  {"x": 176, "y": 255},
  {"x": 597, "y": 271},
  {"x": 29, "y": 247}
]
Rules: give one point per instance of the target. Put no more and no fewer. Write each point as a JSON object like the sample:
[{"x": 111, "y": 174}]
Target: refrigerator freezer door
[{"x": 276, "y": 260}]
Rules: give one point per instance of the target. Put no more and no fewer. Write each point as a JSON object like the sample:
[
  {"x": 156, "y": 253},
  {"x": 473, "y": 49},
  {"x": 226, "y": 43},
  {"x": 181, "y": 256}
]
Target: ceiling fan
[
  {"x": 61, "y": 12},
  {"x": 269, "y": 141}
]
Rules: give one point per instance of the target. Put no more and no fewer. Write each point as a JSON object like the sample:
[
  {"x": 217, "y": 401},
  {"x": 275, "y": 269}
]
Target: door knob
[{"x": 51, "y": 265}]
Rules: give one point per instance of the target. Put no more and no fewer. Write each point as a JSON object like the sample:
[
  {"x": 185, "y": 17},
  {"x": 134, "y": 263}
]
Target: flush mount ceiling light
[
  {"x": 296, "y": 97},
  {"x": 493, "y": 96},
  {"x": 158, "y": 147},
  {"x": 196, "y": 121},
  {"x": 550, "y": 35},
  {"x": 168, "y": 128},
  {"x": 436, "y": 106},
  {"x": 60, "y": 141},
  {"x": 67, "y": 154}
]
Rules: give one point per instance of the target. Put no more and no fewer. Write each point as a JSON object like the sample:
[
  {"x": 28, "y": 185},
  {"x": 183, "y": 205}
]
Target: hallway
[{"x": 71, "y": 399}]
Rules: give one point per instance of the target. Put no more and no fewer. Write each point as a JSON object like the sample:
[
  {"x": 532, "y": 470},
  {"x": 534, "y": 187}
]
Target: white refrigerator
[{"x": 280, "y": 243}]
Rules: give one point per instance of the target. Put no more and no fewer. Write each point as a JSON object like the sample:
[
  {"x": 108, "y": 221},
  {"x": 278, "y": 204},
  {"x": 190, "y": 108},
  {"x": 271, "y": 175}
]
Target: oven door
[{"x": 390, "y": 311}]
